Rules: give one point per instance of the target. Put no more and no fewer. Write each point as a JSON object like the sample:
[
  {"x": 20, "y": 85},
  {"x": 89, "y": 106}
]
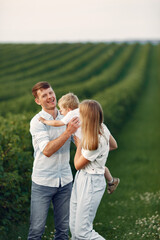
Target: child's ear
[{"x": 37, "y": 101}]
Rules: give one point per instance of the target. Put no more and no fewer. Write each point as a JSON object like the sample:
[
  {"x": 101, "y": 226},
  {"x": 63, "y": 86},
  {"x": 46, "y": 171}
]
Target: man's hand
[
  {"x": 55, "y": 144},
  {"x": 73, "y": 125}
]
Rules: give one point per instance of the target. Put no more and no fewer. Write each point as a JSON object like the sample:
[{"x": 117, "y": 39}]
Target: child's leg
[
  {"x": 90, "y": 189},
  {"x": 112, "y": 182},
  {"x": 108, "y": 175}
]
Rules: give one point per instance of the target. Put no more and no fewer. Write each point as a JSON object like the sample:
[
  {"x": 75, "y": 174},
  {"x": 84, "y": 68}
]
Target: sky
[{"x": 79, "y": 20}]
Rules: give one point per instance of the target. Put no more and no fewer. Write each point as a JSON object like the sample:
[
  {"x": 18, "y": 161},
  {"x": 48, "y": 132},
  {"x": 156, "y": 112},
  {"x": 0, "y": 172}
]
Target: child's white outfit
[
  {"x": 88, "y": 189},
  {"x": 71, "y": 114}
]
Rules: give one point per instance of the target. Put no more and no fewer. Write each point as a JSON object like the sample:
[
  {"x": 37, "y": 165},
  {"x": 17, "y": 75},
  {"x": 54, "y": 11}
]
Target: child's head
[
  {"x": 68, "y": 102},
  {"x": 91, "y": 116}
]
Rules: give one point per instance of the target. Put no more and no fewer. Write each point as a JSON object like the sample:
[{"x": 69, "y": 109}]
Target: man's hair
[
  {"x": 69, "y": 100},
  {"x": 39, "y": 85}
]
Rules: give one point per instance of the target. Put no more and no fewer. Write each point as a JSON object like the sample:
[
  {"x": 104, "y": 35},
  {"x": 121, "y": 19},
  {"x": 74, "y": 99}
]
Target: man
[{"x": 51, "y": 176}]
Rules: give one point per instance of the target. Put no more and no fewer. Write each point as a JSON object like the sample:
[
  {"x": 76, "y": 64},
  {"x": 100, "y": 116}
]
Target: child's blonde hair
[
  {"x": 69, "y": 100},
  {"x": 91, "y": 116}
]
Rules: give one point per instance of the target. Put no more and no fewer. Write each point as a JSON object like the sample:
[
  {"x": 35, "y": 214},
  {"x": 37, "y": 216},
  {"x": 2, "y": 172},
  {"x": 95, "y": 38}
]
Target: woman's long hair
[{"x": 91, "y": 116}]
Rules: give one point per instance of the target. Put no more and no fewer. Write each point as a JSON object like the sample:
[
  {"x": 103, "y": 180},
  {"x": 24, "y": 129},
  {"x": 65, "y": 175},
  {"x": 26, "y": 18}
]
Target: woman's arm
[
  {"x": 112, "y": 143},
  {"x": 79, "y": 160},
  {"x": 54, "y": 123}
]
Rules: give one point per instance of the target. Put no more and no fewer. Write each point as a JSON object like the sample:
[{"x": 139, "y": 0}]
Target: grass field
[{"x": 132, "y": 212}]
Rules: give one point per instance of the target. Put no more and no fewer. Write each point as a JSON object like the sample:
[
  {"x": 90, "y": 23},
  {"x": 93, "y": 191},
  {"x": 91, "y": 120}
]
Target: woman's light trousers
[{"x": 87, "y": 193}]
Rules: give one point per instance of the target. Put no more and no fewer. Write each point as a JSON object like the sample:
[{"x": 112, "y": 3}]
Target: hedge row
[
  {"x": 109, "y": 76},
  {"x": 15, "y": 169},
  {"x": 119, "y": 100},
  {"x": 16, "y": 83},
  {"x": 30, "y": 56},
  {"x": 55, "y": 60}
]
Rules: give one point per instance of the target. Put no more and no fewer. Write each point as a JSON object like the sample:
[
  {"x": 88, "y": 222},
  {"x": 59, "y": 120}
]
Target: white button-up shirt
[{"x": 54, "y": 170}]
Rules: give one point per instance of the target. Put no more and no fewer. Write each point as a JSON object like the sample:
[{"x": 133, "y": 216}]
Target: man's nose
[{"x": 49, "y": 97}]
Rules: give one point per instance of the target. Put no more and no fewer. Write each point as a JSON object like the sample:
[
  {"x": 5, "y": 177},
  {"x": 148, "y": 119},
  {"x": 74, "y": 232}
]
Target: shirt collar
[{"x": 48, "y": 116}]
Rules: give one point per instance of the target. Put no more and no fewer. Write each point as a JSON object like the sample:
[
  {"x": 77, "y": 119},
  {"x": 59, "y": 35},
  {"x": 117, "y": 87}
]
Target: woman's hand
[{"x": 77, "y": 141}]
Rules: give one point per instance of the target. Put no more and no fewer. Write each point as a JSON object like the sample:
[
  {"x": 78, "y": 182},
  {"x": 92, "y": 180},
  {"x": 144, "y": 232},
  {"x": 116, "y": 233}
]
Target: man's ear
[{"x": 37, "y": 101}]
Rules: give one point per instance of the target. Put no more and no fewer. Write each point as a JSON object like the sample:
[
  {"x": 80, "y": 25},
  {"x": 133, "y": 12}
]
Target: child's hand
[{"x": 41, "y": 119}]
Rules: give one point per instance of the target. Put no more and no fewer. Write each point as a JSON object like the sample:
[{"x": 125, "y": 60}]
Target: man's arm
[{"x": 54, "y": 145}]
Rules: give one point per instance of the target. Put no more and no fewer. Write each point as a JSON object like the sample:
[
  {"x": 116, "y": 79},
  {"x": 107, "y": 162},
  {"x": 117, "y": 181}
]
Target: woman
[{"x": 90, "y": 159}]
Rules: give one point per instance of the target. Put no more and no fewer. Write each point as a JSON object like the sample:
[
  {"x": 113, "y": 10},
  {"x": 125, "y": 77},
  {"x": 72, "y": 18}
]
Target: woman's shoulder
[{"x": 105, "y": 130}]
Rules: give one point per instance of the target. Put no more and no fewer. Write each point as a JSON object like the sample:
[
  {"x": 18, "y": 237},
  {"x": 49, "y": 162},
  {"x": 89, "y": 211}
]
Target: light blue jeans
[
  {"x": 87, "y": 193},
  {"x": 41, "y": 197}
]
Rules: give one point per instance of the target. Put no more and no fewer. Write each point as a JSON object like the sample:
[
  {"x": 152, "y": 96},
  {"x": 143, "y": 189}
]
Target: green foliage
[
  {"x": 116, "y": 61},
  {"x": 15, "y": 169}
]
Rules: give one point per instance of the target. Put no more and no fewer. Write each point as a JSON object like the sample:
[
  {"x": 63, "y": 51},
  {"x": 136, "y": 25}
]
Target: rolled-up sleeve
[
  {"x": 39, "y": 134},
  {"x": 90, "y": 155}
]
